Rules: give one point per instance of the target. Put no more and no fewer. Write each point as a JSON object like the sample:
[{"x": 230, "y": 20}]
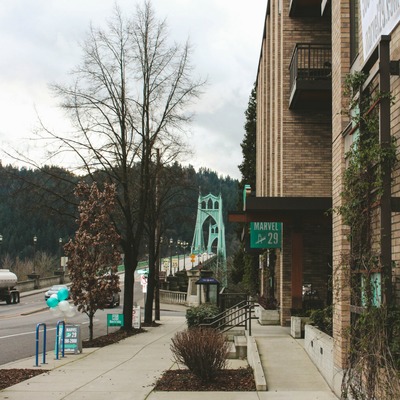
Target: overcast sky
[{"x": 38, "y": 42}]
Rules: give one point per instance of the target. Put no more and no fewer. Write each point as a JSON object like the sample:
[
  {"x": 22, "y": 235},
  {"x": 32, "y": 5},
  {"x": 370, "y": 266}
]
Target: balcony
[
  {"x": 310, "y": 77},
  {"x": 308, "y": 8}
]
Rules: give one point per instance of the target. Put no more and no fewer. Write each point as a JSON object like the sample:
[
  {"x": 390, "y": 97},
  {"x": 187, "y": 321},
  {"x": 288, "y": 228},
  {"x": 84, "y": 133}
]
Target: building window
[{"x": 354, "y": 31}]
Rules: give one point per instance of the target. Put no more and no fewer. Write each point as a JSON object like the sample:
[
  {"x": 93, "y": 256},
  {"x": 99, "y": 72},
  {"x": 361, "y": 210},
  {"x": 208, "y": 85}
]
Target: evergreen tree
[
  {"x": 248, "y": 165},
  {"x": 246, "y": 265}
]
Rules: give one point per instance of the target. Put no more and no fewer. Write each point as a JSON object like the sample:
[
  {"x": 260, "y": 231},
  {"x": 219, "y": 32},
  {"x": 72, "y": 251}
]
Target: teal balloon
[
  {"x": 62, "y": 294},
  {"x": 52, "y": 302}
]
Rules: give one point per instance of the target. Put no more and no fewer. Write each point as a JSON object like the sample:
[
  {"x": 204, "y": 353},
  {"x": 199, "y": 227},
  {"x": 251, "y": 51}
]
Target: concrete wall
[
  {"x": 25, "y": 286},
  {"x": 319, "y": 347}
]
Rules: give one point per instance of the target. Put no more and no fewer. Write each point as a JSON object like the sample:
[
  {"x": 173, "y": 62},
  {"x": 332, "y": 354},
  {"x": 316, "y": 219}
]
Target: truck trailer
[{"x": 8, "y": 291}]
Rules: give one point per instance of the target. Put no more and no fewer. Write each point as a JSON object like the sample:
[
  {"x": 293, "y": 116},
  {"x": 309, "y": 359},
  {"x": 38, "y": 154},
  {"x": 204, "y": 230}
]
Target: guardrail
[{"x": 172, "y": 297}]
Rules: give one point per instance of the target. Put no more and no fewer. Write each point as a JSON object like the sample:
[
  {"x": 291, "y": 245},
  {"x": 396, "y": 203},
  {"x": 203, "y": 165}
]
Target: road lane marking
[{"x": 30, "y": 333}]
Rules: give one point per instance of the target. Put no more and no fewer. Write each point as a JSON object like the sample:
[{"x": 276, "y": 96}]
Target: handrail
[{"x": 238, "y": 315}]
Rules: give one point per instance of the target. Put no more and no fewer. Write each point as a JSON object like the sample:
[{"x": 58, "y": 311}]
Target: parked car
[
  {"x": 113, "y": 300},
  {"x": 54, "y": 290}
]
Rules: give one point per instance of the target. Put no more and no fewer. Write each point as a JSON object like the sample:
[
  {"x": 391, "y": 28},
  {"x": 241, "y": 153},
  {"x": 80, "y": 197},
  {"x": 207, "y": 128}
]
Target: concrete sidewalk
[{"x": 130, "y": 368}]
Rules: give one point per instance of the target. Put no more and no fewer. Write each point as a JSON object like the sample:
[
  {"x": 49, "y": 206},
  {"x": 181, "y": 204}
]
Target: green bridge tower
[{"x": 209, "y": 210}]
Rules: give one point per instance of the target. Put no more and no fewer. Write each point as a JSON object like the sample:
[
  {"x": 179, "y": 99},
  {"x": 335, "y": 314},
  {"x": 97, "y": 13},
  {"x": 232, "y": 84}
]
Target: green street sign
[
  {"x": 265, "y": 235},
  {"x": 115, "y": 319}
]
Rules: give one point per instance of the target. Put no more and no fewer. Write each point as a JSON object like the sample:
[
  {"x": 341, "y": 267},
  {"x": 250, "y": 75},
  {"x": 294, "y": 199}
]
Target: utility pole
[{"x": 157, "y": 241}]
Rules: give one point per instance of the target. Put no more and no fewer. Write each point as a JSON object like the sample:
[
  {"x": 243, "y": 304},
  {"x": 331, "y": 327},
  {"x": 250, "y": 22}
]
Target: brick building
[
  {"x": 304, "y": 131},
  {"x": 294, "y": 128}
]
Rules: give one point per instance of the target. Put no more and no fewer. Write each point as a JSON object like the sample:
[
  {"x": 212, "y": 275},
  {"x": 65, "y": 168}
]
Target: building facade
[
  {"x": 294, "y": 128},
  {"x": 305, "y": 129}
]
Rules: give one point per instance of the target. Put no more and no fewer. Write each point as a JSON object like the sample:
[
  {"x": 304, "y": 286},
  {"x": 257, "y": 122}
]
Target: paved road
[{"x": 18, "y": 324}]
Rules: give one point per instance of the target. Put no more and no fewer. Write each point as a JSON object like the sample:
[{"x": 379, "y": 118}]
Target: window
[{"x": 354, "y": 39}]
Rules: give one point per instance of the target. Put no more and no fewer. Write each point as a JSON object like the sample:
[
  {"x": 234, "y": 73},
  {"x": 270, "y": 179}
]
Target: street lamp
[
  {"x": 34, "y": 253},
  {"x": 160, "y": 264},
  {"x": 184, "y": 245},
  {"x": 171, "y": 241},
  {"x": 60, "y": 241},
  {"x": 199, "y": 256},
  {"x": 1, "y": 243},
  {"x": 178, "y": 245}
]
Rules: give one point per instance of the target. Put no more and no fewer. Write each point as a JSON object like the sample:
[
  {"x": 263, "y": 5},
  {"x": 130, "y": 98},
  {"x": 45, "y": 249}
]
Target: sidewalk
[{"x": 130, "y": 368}]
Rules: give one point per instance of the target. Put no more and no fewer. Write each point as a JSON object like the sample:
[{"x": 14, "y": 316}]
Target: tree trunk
[
  {"x": 91, "y": 315},
  {"x": 130, "y": 266}
]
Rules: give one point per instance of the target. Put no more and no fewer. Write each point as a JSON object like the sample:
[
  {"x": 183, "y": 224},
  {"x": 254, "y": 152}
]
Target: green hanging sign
[{"x": 265, "y": 235}]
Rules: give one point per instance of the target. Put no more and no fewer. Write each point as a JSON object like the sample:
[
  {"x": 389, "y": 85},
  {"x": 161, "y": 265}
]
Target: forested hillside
[{"x": 41, "y": 203}]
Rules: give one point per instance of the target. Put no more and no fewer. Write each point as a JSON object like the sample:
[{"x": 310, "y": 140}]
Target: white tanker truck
[{"x": 8, "y": 291}]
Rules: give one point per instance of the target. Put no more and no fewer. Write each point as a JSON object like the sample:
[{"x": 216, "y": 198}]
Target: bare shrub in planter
[{"x": 203, "y": 351}]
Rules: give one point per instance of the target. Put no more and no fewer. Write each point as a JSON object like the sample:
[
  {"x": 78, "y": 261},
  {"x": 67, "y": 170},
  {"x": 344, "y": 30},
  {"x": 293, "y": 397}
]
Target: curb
[{"x": 254, "y": 360}]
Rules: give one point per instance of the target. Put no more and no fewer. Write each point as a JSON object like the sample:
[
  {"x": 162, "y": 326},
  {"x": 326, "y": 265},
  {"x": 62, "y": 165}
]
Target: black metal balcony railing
[
  {"x": 310, "y": 70},
  {"x": 310, "y": 62}
]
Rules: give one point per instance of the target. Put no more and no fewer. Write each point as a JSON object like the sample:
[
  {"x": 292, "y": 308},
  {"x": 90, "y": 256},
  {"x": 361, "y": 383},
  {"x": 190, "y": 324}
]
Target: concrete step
[
  {"x": 240, "y": 343},
  {"x": 232, "y": 355},
  {"x": 231, "y": 334}
]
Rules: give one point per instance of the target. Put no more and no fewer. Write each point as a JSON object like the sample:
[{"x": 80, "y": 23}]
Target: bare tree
[
  {"x": 93, "y": 255},
  {"x": 129, "y": 98}
]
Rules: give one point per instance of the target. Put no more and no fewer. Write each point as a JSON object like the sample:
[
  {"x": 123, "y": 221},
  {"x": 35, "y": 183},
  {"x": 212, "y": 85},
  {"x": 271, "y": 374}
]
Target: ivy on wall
[{"x": 374, "y": 356}]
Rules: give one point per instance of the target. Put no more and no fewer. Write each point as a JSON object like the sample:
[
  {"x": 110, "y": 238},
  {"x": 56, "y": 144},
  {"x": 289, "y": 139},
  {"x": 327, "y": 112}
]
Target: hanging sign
[{"x": 265, "y": 235}]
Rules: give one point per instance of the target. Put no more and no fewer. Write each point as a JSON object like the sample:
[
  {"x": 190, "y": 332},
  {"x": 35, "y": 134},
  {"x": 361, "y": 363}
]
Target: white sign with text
[{"x": 378, "y": 17}]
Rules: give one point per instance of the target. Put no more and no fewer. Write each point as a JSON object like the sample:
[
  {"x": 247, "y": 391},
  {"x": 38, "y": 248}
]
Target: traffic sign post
[
  {"x": 265, "y": 235},
  {"x": 143, "y": 282},
  {"x": 136, "y": 317}
]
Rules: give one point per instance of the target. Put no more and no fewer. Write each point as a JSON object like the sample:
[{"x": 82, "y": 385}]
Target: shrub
[
  {"x": 203, "y": 351},
  {"x": 323, "y": 319},
  {"x": 200, "y": 314}
]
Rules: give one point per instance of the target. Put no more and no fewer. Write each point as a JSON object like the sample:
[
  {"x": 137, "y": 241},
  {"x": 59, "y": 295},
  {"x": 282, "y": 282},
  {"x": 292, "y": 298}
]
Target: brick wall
[
  {"x": 293, "y": 147},
  {"x": 341, "y": 66}
]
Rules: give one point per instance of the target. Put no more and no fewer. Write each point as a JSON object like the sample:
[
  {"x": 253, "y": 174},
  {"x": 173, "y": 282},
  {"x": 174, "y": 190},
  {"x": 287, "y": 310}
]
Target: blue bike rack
[
  {"x": 37, "y": 343},
  {"x": 58, "y": 339}
]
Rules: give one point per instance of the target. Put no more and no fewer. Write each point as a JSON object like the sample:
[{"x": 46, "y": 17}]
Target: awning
[{"x": 282, "y": 209}]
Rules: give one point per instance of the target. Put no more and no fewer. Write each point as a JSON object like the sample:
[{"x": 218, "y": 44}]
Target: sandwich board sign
[
  {"x": 73, "y": 338},
  {"x": 265, "y": 235}
]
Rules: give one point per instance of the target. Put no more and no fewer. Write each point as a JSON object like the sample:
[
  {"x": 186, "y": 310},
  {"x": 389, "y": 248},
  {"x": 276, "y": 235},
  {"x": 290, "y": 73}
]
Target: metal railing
[
  {"x": 228, "y": 300},
  {"x": 310, "y": 62},
  {"x": 172, "y": 297},
  {"x": 239, "y": 315}
]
